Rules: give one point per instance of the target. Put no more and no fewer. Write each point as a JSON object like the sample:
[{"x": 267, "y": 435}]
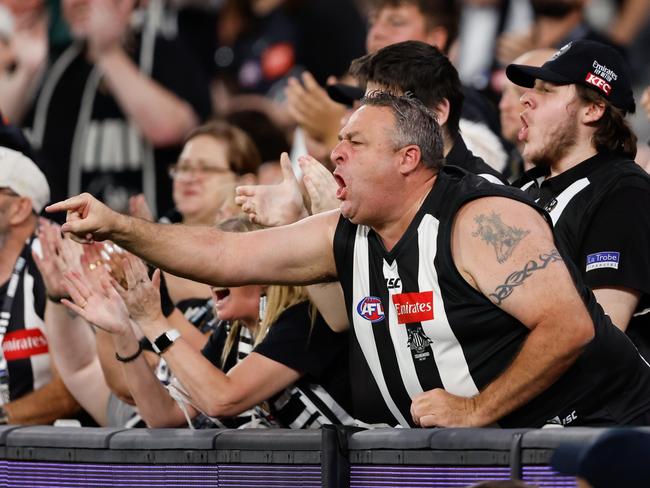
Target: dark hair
[
  {"x": 418, "y": 68},
  {"x": 613, "y": 133},
  {"x": 243, "y": 156},
  {"x": 437, "y": 13},
  {"x": 269, "y": 138},
  {"x": 414, "y": 124}
]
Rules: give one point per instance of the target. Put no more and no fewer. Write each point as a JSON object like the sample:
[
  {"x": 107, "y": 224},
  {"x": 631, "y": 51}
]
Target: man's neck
[
  {"x": 11, "y": 249},
  {"x": 574, "y": 158},
  {"x": 392, "y": 230}
]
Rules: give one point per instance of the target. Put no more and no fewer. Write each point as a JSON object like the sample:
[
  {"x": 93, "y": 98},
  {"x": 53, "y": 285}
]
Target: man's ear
[
  {"x": 442, "y": 111},
  {"x": 592, "y": 112},
  {"x": 20, "y": 210},
  {"x": 411, "y": 158}
]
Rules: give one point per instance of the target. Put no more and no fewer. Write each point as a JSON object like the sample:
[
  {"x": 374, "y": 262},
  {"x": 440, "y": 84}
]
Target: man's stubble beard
[{"x": 560, "y": 142}]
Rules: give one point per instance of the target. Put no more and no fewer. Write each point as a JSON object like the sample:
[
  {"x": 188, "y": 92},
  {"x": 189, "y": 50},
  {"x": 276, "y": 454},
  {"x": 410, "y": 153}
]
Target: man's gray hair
[{"x": 414, "y": 124}]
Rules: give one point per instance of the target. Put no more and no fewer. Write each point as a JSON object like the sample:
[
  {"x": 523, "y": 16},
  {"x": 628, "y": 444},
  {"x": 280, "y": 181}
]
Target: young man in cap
[
  {"x": 30, "y": 389},
  {"x": 575, "y": 133},
  {"x": 455, "y": 292}
]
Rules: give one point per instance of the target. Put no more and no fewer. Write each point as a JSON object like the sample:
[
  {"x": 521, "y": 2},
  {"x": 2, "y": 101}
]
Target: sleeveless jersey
[{"x": 418, "y": 325}]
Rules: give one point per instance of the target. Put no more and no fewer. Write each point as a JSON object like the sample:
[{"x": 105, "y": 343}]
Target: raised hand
[
  {"x": 96, "y": 300},
  {"x": 311, "y": 107},
  {"x": 320, "y": 184},
  {"x": 273, "y": 205},
  {"x": 30, "y": 42},
  {"x": 59, "y": 255},
  {"x": 107, "y": 25},
  {"x": 138, "y": 207},
  {"x": 141, "y": 295},
  {"x": 87, "y": 219}
]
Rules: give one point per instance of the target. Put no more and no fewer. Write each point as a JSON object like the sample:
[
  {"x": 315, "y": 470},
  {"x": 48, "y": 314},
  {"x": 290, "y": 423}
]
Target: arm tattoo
[
  {"x": 518, "y": 277},
  {"x": 502, "y": 237}
]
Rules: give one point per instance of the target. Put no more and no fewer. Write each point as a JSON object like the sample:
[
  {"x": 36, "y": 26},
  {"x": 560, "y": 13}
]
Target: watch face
[{"x": 165, "y": 340}]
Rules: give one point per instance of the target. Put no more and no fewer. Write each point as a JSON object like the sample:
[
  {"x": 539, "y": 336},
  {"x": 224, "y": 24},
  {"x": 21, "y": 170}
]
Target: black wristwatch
[{"x": 165, "y": 340}]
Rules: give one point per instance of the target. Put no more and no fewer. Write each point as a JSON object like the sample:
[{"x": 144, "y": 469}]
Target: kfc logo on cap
[
  {"x": 413, "y": 307},
  {"x": 599, "y": 83}
]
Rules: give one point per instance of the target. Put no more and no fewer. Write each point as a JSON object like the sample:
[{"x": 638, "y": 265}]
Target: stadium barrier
[{"x": 45, "y": 456}]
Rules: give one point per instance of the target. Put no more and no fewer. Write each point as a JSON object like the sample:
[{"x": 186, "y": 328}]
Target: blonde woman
[{"x": 298, "y": 366}]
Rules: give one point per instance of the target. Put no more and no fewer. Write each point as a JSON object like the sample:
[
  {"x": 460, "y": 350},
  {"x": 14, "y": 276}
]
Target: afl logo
[{"x": 370, "y": 309}]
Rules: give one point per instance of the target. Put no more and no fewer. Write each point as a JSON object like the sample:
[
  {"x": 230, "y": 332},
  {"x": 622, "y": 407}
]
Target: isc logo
[{"x": 370, "y": 309}]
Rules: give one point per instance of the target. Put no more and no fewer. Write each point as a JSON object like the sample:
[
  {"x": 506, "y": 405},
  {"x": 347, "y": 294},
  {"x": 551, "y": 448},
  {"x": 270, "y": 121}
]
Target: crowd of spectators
[{"x": 304, "y": 212}]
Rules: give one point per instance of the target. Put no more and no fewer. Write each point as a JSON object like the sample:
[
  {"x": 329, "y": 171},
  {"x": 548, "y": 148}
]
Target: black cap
[
  {"x": 589, "y": 63},
  {"x": 617, "y": 457},
  {"x": 345, "y": 94}
]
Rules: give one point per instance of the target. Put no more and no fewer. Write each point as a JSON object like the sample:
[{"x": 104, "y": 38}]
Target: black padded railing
[{"x": 43, "y": 456}]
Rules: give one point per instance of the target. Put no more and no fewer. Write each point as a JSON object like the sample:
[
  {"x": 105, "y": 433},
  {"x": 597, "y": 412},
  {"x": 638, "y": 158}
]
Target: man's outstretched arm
[
  {"x": 300, "y": 253},
  {"x": 505, "y": 250}
]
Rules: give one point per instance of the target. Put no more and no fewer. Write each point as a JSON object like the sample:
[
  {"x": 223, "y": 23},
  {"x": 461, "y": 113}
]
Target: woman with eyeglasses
[{"x": 216, "y": 157}]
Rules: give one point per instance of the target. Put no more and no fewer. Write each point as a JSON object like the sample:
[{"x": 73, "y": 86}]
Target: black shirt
[
  {"x": 317, "y": 352},
  {"x": 460, "y": 156},
  {"x": 601, "y": 214},
  {"x": 88, "y": 142},
  {"x": 418, "y": 325}
]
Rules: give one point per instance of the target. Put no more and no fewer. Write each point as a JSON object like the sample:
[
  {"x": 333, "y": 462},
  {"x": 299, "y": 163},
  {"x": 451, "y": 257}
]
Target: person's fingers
[
  {"x": 155, "y": 279},
  {"x": 245, "y": 191},
  {"x": 314, "y": 90},
  {"x": 78, "y": 203},
  {"x": 287, "y": 168},
  {"x": 312, "y": 191},
  {"x": 139, "y": 268},
  {"x": 72, "y": 289},
  {"x": 80, "y": 282},
  {"x": 129, "y": 275},
  {"x": 117, "y": 286},
  {"x": 75, "y": 308}
]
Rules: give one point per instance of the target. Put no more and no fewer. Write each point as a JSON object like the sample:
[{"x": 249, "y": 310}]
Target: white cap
[{"x": 21, "y": 174}]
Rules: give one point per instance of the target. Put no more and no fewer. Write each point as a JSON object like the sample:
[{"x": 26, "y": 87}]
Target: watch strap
[{"x": 165, "y": 340}]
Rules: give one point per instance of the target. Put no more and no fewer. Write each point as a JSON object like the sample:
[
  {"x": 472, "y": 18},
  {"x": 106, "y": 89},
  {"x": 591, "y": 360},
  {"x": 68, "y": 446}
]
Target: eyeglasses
[{"x": 201, "y": 169}]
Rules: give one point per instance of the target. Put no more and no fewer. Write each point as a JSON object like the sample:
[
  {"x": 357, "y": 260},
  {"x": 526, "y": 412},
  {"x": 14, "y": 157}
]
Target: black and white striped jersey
[
  {"x": 322, "y": 395},
  {"x": 417, "y": 325},
  {"x": 24, "y": 345}
]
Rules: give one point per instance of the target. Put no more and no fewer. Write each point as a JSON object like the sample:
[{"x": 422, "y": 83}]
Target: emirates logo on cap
[{"x": 599, "y": 83}]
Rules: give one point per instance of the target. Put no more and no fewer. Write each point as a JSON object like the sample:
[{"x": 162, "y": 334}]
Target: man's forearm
[
  {"x": 161, "y": 116},
  {"x": 186, "y": 251},
  {"x": 544, "y": 357},
  {"x": 43, "y": 406}
]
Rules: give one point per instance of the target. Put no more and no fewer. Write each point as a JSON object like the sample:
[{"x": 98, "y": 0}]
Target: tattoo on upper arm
[
  {"x": 518, "y": 277},
  {"x": 502, "y": 237}
]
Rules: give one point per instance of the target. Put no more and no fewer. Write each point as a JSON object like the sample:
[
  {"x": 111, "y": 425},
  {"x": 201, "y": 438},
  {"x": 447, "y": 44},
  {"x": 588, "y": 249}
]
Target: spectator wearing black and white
[
  {"x": 427, "y": 74},
  {"x": 33, "y": 391},
  {"x": 575, "y": 134}
]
